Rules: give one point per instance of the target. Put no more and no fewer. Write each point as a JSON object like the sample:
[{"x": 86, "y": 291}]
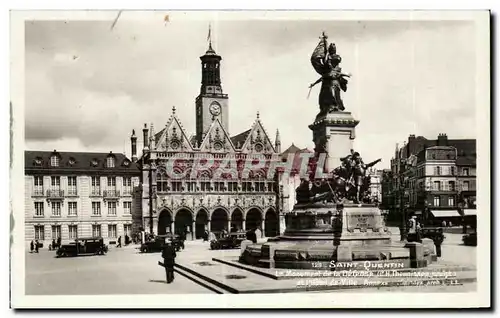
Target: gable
[
  {"x": 217, "y": 139},
  {"x": 173, "y": 137},
  {"x": 257, "y": 140}
]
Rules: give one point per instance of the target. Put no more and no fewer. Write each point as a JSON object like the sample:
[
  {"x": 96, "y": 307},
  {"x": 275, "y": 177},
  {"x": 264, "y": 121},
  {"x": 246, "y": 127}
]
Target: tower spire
[
  {"x": 209, "y": 38},
  {"x": 277, "y": 141}
]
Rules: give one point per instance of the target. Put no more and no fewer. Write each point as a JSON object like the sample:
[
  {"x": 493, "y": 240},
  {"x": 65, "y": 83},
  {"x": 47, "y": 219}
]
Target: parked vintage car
[
  {"x": 470, "y": 239},
  {"x": 434, "y": 233},
  {"x": 83, "y": 246},
  {"x": 157, "y": 243},
  {"x": 227, "y": 241}
]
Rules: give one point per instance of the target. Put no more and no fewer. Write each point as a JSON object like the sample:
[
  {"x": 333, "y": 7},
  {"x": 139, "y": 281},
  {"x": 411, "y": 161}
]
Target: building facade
[
  {"x": 432, "y": 178},
  {"x": 77, "y": 194},
  {"x": 375, "y": 184},
  {"x": 184, "y": 183}
]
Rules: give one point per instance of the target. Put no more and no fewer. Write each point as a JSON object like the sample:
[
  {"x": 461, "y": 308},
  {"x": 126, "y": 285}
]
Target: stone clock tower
[{"x": 211, "y": 103}]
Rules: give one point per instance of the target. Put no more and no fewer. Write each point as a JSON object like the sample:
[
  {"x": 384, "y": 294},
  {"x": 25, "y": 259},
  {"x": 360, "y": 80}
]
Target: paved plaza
[{"x": 126, "y": 271}]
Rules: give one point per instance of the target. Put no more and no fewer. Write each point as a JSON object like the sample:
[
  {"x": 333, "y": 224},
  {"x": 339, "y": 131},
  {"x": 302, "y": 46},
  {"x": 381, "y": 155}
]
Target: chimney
[
  {"x": 442, "y": 140},
  {"x": 133, "y": 142},
  {"x": 411, "y": 145},
  {"x": 145, "y": 136}
]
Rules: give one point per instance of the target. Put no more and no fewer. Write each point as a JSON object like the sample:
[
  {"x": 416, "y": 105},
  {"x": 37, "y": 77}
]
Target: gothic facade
[{"x": 182, "y": 184}]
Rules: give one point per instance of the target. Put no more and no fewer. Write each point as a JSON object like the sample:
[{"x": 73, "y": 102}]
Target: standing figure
[
  {"x": 59, "y": 242},
  {"x": 32, "y": 246},
  {"x": 359, "y": 174},
  {"x": 438, "y": 240},
  {"x": 169, "y": 256},
  {"x": 119, "y": 242},
  {"x": 325, "y": 61},
  {"x": 36, "y": 246}
]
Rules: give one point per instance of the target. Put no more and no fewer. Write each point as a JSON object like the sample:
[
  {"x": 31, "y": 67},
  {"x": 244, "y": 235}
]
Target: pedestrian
[
  {"x": 205, "y": 236},
  {"x": 32, "y": 246},
  {"x": 450, "y": 224},
  {"x": 59, "y": 242},
  {"x": 443, "y": 224},
  {"x": 438, "y": 240},
  {"x": 119, "y": 242},
  {"x": 182, "y": 239},
  {"x": 127, "y": 240},
  {"x": 53, "y": 244},
  {"x": 169, "y": 255},
  {"x": 36, "y": 246}
]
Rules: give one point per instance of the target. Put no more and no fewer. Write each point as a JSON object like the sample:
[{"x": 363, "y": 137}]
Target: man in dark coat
[
  {"x": 119, "y": 242},
  {"x": 32, "y": 246},
  {"x": 438, "y": 240},
  {"x": 59, "y": 242},
  {"x": 169, "y": 255},
  {"x": 36, "y": 246}
]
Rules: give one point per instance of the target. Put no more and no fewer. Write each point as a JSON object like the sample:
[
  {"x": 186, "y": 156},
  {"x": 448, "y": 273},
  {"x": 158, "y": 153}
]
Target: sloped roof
[
  {"x": 217, "y": 134},
  {"x": 77, "y": 161},
  {"x": 240, "y": 138}
]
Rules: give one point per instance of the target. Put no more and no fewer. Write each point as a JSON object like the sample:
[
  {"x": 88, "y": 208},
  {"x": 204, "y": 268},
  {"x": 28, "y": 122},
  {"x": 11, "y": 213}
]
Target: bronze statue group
[{"x": 349, "y": 182}]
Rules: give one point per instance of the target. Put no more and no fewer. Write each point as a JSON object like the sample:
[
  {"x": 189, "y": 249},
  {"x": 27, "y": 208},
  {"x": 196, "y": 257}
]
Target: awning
[
  {"x": 445, "y": 213},
  {"x": 470, "y": 212}
]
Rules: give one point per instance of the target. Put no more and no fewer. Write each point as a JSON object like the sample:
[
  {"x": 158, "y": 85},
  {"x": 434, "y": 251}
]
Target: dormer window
[
  {"x": 54, "y": 161},
  {"x": 126, "y": 163},
  {"x": 72, "y": 161},
  {"x": 110, "y": 162},
  {"x": 94, "y": 162},
  {"x": 38, "y": 161}
]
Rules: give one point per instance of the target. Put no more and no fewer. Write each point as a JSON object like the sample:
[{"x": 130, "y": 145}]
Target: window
[
  {"x": 219, "y": 186},
  {"x": 54, "y": 161},
  {"x": 38, "y": 208},
  {"x": 127, "y": 185},
  {"x": 111, "y": 208},
  {"x": 56, "y": 232},
  {"x": 260, "y": 186},
  {"x": 38, "y": 189},
  {"x": 39, "y": 232},
  {"x": 437, "y": 201},
  {"x": 232, "y": 186},
  {"x": 451, "y": 185},
  {"x": 127, "y": 229},
  {"x": 73, "y": 231},
  {"x": 246, "y": 186},
  {"x": 110, "y": 162},
  {"x": 55, "y": 182},
  {"x": 466, "y": 171},
  {"x": 127, "y": 207},
  {"x": 452, "y": 171},
  {"x": 465, "y": 186},
  {"x": 437, "y": 185},
  {"x": 451, "y": 201},
  {"x": 111, "y": 183},
  {"x": 96, "y": 186},
  {"x": 205, "y": 186},
  {"x": 72, "y": 210},
  {"x": 191, "y": 186},
  {"x": 176, "y": 186},
  {"x": 270, "y": 187},
  {"x": 112, "y": 230},
  {"x": 56, "y": 208},
  {"x": 437, "y": 171},
  {"x": 96, "y": 230},
  {"x": 96, "y": 208},
  {"x": 71, "y": 185}
]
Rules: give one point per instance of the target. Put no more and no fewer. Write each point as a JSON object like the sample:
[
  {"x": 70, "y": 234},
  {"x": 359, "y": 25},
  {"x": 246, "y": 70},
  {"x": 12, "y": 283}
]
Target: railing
[
  {"x": 127, "y": 192},
  {"x": 95, "y": 192},
  {"x": 72, "y": 192},
  {"x": 111, "y": 193},
  {"x": 55, "y": 193},
  {"x": 38, "y": 193}
]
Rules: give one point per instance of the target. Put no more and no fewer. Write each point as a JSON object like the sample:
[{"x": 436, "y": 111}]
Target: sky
[{"x": 88, "y": 85}]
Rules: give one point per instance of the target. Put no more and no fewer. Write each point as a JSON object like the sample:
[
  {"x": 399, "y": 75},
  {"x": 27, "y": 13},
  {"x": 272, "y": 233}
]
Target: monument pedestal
[{"x": 333, "y": 134}]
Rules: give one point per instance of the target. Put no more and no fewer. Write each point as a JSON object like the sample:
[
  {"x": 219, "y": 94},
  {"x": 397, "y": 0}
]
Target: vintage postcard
[{"x": 284, "y": 159}]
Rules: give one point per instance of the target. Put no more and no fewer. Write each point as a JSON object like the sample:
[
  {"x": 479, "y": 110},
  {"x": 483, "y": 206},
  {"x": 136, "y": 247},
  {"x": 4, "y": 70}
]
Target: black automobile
[
  {"x": 470, "y": 239},
  {"x": 157, "y": 243},
  {"x": 227, "y": 241},
  {"x": 83, "y": 246}
]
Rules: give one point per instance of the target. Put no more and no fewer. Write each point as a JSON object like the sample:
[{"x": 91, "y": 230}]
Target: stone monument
[{"x": 333, "y": 219}]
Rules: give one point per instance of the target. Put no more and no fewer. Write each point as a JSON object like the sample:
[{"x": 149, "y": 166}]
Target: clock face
[{"x": 215, "y": 109}]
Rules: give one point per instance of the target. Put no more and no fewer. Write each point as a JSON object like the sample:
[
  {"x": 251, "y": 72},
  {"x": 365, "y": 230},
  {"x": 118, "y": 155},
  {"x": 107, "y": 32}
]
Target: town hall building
[{"x": 206, "y": 200}]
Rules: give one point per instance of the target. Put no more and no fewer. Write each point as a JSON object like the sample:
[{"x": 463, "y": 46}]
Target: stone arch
[
  {"x": 253, "y": 218},
  {"x": 201, "y": 222},
  {"x": 184, "y": 222},
  {"x": 271, "y": 223},
  {"x": 165, "y": 220},
  {"x": 219, "y": 219},
  {"x": 237, "y": 220}
]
